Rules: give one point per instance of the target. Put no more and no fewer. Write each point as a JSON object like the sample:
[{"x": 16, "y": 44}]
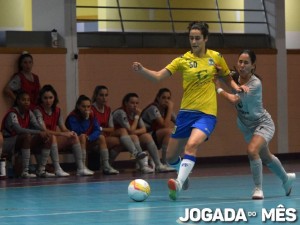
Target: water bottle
[
  {"x": 54, "y": 38},
  {"x": 2, "y": 168}
]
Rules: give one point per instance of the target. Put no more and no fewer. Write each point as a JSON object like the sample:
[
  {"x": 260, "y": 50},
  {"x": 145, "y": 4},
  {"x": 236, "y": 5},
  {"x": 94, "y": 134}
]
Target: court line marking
[
  {"x": 121, "y": 180},
  {"x": 134, "y": 209}
]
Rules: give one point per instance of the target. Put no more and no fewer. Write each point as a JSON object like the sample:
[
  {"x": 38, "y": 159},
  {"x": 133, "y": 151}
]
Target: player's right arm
[
  {"x": 150, "y": 74},
  {"x": 13, "y": 124},
  {"x": 233, "y": 98},
  {"x": 13, "y": 85}
]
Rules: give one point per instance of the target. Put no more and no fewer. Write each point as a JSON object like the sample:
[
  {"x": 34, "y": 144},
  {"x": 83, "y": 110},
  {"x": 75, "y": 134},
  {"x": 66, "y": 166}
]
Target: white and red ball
[{"x": 139, "y": 190}]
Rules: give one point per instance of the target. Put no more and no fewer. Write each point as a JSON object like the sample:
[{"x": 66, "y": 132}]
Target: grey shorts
[{"x": 265, "y": 129}]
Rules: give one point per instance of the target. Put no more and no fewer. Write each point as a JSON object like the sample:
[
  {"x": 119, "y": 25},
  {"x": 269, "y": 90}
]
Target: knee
[
  {"x": 122, "y": 131},
  {"x": 252, "y": 152},
  {"x": 54, "y": 139},
  {"x": 167, "y": 134},
  {"x": 82, "y": 139},
  {"x": 25, "y": 138},
  {"x": 134, "y": 138},
  {"x": 169, "y": 131},
  {"x": 102, "y": 139},
  {"x": 74, "y": 140},
  {"x": 145, "y": 138},
  {"x": 164, "y": 131}
]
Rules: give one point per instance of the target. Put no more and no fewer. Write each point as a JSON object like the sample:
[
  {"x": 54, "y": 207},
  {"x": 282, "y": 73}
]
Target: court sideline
[{"x": 103, "y": 199}]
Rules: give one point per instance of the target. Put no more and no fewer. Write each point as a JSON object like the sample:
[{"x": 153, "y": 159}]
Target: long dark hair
[
  {"x": 234, "y": 73},
  {"x": 80, "y": 99},
  {"x": 21, "y": 58},
  {"x": 160, "y": 93},
  {"x": 127, "y": 97},
  {"x": 48, "y": 88},
  {"x": 97, "y": 90}
]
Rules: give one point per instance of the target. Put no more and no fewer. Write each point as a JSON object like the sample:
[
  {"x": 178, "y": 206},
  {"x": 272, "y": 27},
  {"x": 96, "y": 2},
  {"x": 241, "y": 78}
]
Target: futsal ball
[{"x": 139, "y": 190}]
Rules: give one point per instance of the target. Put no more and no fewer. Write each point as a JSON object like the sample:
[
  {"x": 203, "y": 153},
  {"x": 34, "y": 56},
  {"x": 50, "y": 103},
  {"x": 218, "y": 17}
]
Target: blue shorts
[{"x": 187, "y": 120}]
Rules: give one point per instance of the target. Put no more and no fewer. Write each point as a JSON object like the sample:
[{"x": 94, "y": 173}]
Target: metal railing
[
  {"x": 167, "y": 16},
  {"x": 163, "y": 23}
]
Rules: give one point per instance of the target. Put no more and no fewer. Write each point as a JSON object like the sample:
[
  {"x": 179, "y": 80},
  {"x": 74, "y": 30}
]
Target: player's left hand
[
  {"x": 243, "y": 88},
  {"x": 219, "y": 70}
]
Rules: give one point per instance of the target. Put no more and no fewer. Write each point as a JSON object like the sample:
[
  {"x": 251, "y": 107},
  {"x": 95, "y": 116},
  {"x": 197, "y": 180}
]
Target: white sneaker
[
  {"x": 61, "y": 173},
  {"x": 44, "y": 174},
  {"x": 174, "y": 189},
  {"x": 25, "y": 174},
  {"x": 143, "y": 161},
  {"x": 85, "y": 172},
  {"x": 288, "y": 184},
  {"x": 257, "y": 194},
  {"x": 169, "y": 168},
  {"x": 164, "y": 169},
  {"x": 147, "y": 169},
  {"x": 109, "y": 170}
]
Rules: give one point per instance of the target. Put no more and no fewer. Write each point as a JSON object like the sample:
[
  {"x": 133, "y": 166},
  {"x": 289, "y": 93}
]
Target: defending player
[{"x": 256, "y": 124}]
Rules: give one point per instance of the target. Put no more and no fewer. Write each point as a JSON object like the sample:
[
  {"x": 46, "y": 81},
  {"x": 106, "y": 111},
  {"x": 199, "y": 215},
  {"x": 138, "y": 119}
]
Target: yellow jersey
[{"x": 199, "y": 92}]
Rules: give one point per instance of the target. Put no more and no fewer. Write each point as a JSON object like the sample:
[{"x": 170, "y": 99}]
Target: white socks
[
  {"x": 256, "y": 169},
  {"x": 186, "y": 166}
]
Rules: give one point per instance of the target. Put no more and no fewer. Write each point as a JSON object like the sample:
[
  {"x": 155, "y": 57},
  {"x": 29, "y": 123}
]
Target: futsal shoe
[
  {"x": 61, "y": 173},
  {"x": 25, "y": 174},
  {"x": 186, "y": 184},
  {"x": 147, "y": 169},
  {"x": 257, "y": 194},
  {"x": 140, "y": 155},
  {"x": 110, "y": 171},
  {"x": 164, "y": 169},
  {"x": 84, "y": 172},
  {"x": 169, "y": 168},
  {"x": 143, "y": 166},
  {"x": 174, "y": 189},
  {"x": 44, "y": 174},
  {"x": 288, "y": 184}
]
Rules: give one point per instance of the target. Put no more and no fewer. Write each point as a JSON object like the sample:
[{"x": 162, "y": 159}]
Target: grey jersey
[
  {"x": 122, "y": 119},
  {"x": 151, "y": 113},
  {"x": 250, "y": 108},
  {"x": 11, "y": 123},
  {"x": 15, "y": 83}
]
